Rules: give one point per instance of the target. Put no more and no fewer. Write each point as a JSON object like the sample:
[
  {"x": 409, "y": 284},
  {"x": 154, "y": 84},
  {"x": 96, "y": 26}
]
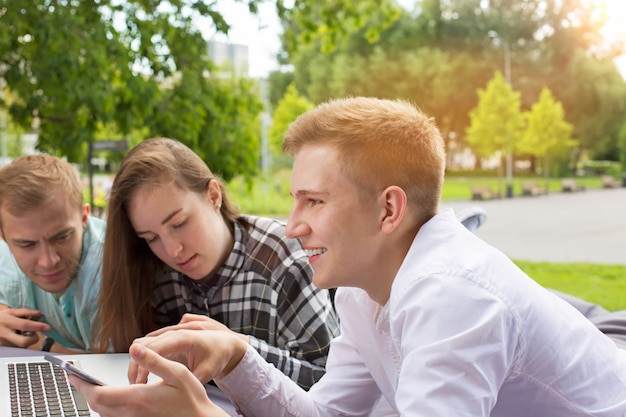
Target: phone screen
[{"x": 68, "y": 367}]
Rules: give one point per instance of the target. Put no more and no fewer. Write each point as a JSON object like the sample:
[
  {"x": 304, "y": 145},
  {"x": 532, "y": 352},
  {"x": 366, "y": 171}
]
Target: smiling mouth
[{"x": 313, "y": 252}]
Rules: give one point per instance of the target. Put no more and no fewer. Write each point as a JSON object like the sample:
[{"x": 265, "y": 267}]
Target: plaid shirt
[{"x": 265, "y": 291}]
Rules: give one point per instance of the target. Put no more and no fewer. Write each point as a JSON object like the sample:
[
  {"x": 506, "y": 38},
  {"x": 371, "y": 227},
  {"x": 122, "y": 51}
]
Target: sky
[{"x": 261, "y": 33}]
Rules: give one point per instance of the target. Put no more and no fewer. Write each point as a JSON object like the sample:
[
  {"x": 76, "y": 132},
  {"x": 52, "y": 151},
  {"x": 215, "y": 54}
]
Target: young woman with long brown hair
[{"x": 175, "y": 244}]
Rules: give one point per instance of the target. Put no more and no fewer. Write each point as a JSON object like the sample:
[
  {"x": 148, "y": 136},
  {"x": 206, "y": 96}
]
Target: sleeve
[
  {"x": 258, "y": 388},
  {"x": 306, "y": 324},
  {"x": 13, "y": 292}
]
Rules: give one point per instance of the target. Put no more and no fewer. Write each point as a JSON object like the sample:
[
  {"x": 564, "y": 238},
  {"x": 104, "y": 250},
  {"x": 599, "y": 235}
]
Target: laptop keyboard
[{"x": 41, "y": 389}]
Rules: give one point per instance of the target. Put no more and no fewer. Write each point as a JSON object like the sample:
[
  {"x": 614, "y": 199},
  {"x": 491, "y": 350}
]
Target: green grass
[
  {"x": 459, "y": 188},
  {"x": 600, "y": 284}
]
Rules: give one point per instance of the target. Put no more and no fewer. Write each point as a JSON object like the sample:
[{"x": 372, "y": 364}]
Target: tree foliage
[
  {"x": 547, "y": 132},
  {"x": 76, "y": 66},
  {"x": 497, "y": 122},
  {"x": 438, "y": 54},
  {"x": 328, "y": 22},
  {"x": 289, "y": 108},
  {"x": 136, "y": 65}
]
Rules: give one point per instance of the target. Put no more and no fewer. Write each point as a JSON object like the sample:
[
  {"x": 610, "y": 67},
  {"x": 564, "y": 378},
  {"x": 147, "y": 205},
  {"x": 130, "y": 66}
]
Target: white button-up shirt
[{"x": 464, "y": 333}]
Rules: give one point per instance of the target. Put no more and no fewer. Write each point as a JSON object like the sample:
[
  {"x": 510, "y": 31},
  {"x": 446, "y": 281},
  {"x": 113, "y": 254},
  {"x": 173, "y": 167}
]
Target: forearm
[{"x": 259, "y": 389}]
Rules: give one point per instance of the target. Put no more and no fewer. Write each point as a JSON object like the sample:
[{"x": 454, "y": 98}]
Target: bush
[{"x": 590, "y": 167}]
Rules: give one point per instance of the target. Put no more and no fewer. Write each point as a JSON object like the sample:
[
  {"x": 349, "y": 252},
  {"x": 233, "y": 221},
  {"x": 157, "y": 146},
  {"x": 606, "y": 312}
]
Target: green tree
[
  {"x": 288, "y": 109},
  {"x": 438, "y": 54},
  {"x": 547, "y": 133},
  {"x": 622, "y": 147},
  {"x": 74, "y": 69},
  {"x": 593, "y": 94},
  {"x": 137, "y": 65},
  {"x": 329, "y": 22},
  {"x": 497, "y": 122}
]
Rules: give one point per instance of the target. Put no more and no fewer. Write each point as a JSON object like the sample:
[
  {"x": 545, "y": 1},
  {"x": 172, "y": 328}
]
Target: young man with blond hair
[{"x": 50, "y": 257}]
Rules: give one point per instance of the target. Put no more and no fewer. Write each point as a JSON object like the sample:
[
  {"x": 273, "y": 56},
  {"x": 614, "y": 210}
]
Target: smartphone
[
  {"x": 38, "y": 317},
  {"x": 69, "y": 368}
]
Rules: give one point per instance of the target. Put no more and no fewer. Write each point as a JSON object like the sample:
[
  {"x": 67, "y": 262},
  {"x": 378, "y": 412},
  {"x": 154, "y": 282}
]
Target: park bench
[
  {"x": 570, "y": 185},
  {"x": 608, "y": 181},
  {"x": 484, "y": 192},
  {"x": 531, "y": 188}
]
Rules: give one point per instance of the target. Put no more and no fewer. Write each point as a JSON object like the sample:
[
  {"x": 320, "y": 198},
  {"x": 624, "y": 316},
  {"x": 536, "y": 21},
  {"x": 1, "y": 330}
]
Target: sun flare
[{"x": 615, "y": 26}]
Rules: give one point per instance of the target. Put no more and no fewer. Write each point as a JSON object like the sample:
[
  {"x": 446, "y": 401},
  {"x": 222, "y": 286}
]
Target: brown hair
[
  {"x": 128, "y": 265},
  {"x": 32, "y": 181},
  {"x": 379, "y": 143}
]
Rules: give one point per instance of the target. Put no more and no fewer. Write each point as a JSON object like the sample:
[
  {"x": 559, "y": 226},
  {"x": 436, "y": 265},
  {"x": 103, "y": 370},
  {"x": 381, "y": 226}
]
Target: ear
[
  {"x": 394, "y": 201},
  {"x": 85, "y": 215},
  {"x": 214, "y": 193}
]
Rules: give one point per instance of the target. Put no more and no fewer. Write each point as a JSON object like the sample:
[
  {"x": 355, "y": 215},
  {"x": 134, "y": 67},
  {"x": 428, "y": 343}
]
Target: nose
[
  {"x": 296, "y": 226},
  {"x": 49, "y": 257},
  {"x": 172, "y": 246}
]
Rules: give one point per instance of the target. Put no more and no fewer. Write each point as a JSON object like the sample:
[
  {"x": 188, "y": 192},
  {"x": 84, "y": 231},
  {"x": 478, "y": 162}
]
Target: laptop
[{"x": 108, "y": 368}]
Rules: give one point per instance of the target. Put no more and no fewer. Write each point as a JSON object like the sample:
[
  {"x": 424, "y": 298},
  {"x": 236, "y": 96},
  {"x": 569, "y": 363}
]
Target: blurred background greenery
[{"x": 521, "y": 89}]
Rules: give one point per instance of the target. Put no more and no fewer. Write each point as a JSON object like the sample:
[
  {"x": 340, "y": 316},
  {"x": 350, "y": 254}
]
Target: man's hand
[
  {"x": 207, "y": 353},
  {"x": 179, "y": 393},
  {"x": 16, "y": 330}
]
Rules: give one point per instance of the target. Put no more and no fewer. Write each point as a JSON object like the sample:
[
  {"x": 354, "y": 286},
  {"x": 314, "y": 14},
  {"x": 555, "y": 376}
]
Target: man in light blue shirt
[{"x": 50, "y": 257}]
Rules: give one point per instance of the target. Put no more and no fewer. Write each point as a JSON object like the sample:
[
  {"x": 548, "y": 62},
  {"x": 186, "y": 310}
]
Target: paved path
[{"x": 588, "y": 226}]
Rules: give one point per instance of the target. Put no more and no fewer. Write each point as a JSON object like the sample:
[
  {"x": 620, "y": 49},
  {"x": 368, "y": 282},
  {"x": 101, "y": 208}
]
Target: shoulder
[
  {"x": 15, "y": 288},
  {"x": 91, "y": 258},
  {"x": 9, "y": 271},
  {"x": 5, "y": 252},
  {"x": 96, "y": 227}
]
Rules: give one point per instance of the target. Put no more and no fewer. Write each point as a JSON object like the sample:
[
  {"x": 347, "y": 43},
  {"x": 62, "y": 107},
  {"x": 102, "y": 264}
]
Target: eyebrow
[
  {"x": 306, "y": 193},
  {"x": 56, "y": 235},
  {"x": 165, "y": 220}
]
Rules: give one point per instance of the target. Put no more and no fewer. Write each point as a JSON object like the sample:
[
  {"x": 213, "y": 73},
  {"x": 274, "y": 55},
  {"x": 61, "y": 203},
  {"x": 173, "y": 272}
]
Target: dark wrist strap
[{"x": 47, "y": 344}]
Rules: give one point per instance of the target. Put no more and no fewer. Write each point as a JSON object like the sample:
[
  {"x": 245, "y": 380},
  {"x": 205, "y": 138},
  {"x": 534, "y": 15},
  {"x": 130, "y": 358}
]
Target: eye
[
  {"x": 151, "y": 240},
  {"x": 181, "y": 224},
  {"x": 25, "y": 245},
  {"x": 313, "y": 202},
  {"x": 63, "y": 237}
]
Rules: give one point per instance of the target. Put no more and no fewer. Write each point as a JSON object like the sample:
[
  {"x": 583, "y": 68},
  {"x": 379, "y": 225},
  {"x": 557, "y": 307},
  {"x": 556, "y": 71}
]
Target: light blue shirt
[{"x": 72, "y": 316}]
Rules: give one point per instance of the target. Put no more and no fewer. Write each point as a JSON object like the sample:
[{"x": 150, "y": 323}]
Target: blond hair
[
  {"x": 379, "y": 143},
  {"x": 32, "y": 181}
]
